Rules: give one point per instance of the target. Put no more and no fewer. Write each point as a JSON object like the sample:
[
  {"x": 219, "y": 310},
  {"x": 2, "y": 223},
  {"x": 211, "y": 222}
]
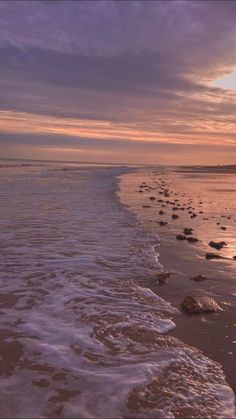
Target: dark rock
[
  {"x": 175, "y": 208},
  {"x": 217, "y": 245},
  {"x": 198, "y": 305},
  {"x": 163, "y": 277},
  {"x": 223, "y": 228},
  {"x": 146, "y": 206},
  {"x": 162, "y": 223},
  {"x": 152, "y": 198},
  {"x": 161, "y": 212},
  {"x": 199, "y": 278},
  {"x": 212, "y": 256},
  {"x": 175, "y": 216},
  {"x": 181, "y": 237},
  {"x": 192, "y": 239},
  {"x": 188, "y": 231}
]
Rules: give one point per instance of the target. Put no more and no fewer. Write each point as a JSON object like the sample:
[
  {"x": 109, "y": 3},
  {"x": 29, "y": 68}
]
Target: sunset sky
[{"x": 123, "y": 81}]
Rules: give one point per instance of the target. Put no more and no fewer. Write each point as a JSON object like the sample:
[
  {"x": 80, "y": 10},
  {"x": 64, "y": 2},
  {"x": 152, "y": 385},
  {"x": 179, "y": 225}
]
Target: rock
[
  {"x": 223, "y": 228},
  {"x": 198, "y": 305},
  {"x": 192, "y": 239},
  {"x": 175, "y": 208},
  {"x": 199, "y": 278},
  {"x": 193, "y": 216},
  {"x": 146, "y": 206},
  {"x": 234, "y": 257},
  {"x": 217, "y": 245},
  {"x": 152, "y": 198},
  {"x": 175, "y": 216},
  {"x": 181, "y": 237},
  {"x": 163, "y": 277},
  {"x": 212, "y": 256},
  {"x": 161, "y": 212},
  {"x": 188, "y": 231},
  {"x": 162, "y": 223}
]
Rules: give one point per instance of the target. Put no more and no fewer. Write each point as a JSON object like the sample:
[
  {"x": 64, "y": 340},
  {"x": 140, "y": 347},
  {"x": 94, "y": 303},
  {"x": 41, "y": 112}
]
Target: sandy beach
[{"x": 201, "y": 199}]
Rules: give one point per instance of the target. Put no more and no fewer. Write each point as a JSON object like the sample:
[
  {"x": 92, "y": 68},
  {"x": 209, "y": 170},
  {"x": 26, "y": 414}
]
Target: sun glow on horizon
[{"x": 227, "y": 82}]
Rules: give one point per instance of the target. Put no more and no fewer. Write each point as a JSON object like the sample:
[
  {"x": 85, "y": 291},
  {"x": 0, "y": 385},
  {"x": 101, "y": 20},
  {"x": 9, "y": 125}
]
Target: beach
[
  {"x": 86, "y": 329},
  {"x": 210, "y": 194}
]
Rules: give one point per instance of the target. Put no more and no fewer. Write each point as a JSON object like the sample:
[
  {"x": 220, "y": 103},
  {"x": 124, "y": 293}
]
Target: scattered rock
[
  {"x": 198, "y": 305},
  {"x": 199, "y": 278},
  {"x": 175, "y": 216},
  {"x": 217, "y": 245},
  {"x": 192, "y": 239},
  {"x": 188, "y": 231},
  {"x": 152, "y": 198},
  {"x": 212, "y": 256},
  {"x": 163, "y": 277},
  {"x": 162, "y": 223},
  {"x": 161, "y": 212},
  {"x": 146, "y": 206},
  {"x": 234, "y": 257},
  {"x": 181, "y": 237},
  {"x": 223, "y": 228}
]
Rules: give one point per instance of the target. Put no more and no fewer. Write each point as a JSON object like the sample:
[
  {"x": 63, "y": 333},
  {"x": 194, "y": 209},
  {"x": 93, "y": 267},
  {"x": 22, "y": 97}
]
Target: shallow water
[{"x": 79, "y": 336}]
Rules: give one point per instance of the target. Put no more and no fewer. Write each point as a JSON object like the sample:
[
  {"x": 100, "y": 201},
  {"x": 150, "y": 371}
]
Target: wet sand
[{"x": 155, "y": 196}]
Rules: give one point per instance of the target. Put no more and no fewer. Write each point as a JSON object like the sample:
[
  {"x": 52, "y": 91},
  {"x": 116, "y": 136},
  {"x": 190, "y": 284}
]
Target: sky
[{"x": 118, "y": 81}]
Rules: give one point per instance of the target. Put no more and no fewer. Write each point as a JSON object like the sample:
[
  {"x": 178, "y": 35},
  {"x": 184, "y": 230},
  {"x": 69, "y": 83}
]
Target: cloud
[{"x": 127, "y": 71}]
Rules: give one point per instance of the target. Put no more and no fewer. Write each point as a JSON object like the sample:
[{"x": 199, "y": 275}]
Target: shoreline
[{"x": 213, "y": 334}]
